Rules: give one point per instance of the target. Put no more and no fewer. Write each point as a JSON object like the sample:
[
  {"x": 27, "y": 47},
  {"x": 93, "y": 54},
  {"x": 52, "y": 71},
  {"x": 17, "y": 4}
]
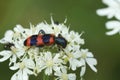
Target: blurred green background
[{"x": 81, "y": 16}]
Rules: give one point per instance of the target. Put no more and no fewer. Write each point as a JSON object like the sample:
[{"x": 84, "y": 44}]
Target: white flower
[
  {"x": 113, "y": 9},
  {"x": 114, "y": 25},
  {"x": 16, "y": 50},
  {"x": 75, "y": 37},
  {"x": 75, "y": 41},
  {"x": 63, "y": 75},
  {"x": 13, "y": 55},
  {"x": 59, "y": 29},
  {"x": 7, "y": 37},
  {"x": 87, "y": 57},
  {"x": 5, "y": 55},
  {"x": 73, "y": 58},
  {"x": 49, "y": 62},
  {"x": 24, "y": 71}
]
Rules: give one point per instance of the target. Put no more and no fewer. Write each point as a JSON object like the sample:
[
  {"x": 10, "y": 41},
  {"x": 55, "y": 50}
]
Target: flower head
[
  {"x": 25, "y": 69},
  {"x": 87, "y": 57},
  {"x": 49, "y": 48},
  {"x": 113, "y": 9},
  {"x": 49, "y": 62},
  {"x": 63, "y": 75}
]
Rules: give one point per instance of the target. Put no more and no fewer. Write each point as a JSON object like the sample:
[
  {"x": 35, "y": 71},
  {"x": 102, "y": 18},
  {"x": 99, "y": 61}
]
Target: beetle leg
[{"x": 60, "y": 48}]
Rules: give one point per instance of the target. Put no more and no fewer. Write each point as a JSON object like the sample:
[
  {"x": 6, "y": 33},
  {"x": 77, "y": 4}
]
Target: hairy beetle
[{"x": 43, "y": 39}]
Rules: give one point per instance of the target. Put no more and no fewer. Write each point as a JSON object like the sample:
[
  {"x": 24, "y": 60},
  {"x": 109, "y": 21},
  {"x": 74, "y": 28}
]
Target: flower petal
[
  {"x": 13, "y": 59},
  {"x": 28, "y": 71},
  {"x": 48, "y": 70},
  {"x": 83, "y": 69},
  {"x": 89, "y": 54},
  {"x": 117, "y": 16},
  {"x": 7, "y": 37},
  {"x": 25, "y": 75},
  {"x": 105, "y": 12},
  {"x": 15, "y": 67},
  {"x": 20, "y": 75},
  {"x": 5, "y": 55},
  {"x": 110, "y": 2},
  {"x": 71, "y": 76},
  {"x": 91, "y": 62},
  {"x": 74, "y": 63},
  {"x": 112, "y": 32},
  {"x": 113, "y": 24},
  {"x": 18, "y": 28},
  {"x": 17, "y": 76},
  {"x": 29, "y": 63},
  {"x": 14, "y": 77}
]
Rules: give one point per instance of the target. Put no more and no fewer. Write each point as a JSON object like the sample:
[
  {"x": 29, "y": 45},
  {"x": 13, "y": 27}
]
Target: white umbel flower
[
  {"x": 87, "y": 57},
  {"x": 15, "y": 51},
  {"x": 49, "y": 63},
  {"x": 25, "y": 69},
  {"x": 73, "y": 59},
  {"x": 113, "y": 9},
  {"x": 57, "y": 59}
]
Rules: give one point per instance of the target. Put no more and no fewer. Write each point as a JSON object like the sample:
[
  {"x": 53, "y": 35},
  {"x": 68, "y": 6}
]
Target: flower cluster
[
  {"x": 61, "y": 63},
  {"x": 113, "y": 10}
]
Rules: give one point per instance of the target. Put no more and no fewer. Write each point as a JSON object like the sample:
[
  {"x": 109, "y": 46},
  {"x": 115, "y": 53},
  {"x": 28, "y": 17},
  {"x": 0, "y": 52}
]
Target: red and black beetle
[{"x": 43, "y": 39}]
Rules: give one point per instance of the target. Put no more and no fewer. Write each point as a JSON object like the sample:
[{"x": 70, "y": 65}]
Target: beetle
[{"x": 43, "y": 39}]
